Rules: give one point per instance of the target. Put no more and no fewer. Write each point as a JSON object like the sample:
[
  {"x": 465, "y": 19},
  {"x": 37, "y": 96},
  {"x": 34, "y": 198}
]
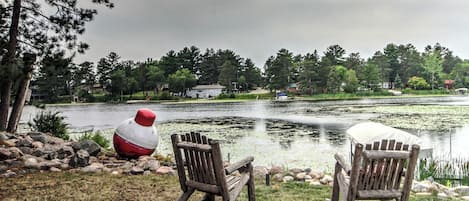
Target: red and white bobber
[{"x": 137, "y": 136}]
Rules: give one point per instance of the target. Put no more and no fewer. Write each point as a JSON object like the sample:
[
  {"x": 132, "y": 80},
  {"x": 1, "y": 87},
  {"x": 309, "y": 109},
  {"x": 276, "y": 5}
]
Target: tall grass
[{"x": 446, "y": 170}]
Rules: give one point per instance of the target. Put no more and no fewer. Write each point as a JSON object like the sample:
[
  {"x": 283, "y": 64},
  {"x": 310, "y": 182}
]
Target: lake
[{"x": 299, "y": 148}]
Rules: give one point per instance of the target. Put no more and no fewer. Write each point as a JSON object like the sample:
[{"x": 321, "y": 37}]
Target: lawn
[{"x": 78, "y": 186}]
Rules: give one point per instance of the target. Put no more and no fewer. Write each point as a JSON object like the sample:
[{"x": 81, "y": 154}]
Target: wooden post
[
  {"x": 335, "y": 186},
  {"x": 353, "y": 186},
  {"x": 410, "y": 172}
]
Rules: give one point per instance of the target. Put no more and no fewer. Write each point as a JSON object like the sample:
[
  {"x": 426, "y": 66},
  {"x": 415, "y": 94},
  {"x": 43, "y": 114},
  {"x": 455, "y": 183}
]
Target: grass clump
[
  {"x": 96, "y": 137},
  {"x": 50, "y": 122}
]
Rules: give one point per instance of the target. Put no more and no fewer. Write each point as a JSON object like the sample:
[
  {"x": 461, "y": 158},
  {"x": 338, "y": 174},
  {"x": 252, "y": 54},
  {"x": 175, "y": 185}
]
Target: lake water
[{"x": 296, "y": 151}]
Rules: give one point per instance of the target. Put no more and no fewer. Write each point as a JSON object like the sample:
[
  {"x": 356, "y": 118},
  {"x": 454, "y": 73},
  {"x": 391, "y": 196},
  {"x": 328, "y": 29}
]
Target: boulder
[
  {"x": 288, "y": 178},
  {"x": 37, "y": 144},
  {"x": 461, "y": 190},
  {"x": 31, "y": 162},
  {"x": 80, "y": 159},
  {"x": 54, "y": 169},
  {"x": 5, "y": 154},
  {"x": 136, "y": 170},
  {"x": 26, "y": 150},
  {"x": 93, "y": 168},
  {"x": 64, "y": 152},
  {"x": 24, "y": 143},
  {"x": 15, "y": 152},
  {"x": 300, "y": 176},
  {"x": 151, "y": 165},
  {"x": 423, "y": 186},
  {"x": 326, "y": 179},
  {"x": 164, "y": 170},
  {"x": 88, "y": 145},
  {"x": 295, "y": 171},
  {"x": 260, "y": 171},
  {"x": 275, "y": 170},
  {"x": 316, "y": 174},
  {"x": 278, "y": 177},
  {"x": 46, "y": 165},
  {"x": 38, "y": 136},
  {"x": 9, "y": 174}
]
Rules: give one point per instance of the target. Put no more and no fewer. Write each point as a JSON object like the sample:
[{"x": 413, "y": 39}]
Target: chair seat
[
  {"x": 232, "y": 181},
  {"x": 378, "y": 194}
]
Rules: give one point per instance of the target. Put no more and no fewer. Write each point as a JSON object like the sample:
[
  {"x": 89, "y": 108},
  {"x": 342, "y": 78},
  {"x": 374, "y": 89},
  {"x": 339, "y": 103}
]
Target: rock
[
  {"x": 288, "y": 178},
  {"x": 423, "y": 186},
  {"x": 136, "y": 170},
  {"x": 295, "y": 171},
  {"x": 315, "y": 182},
  {"x": 278, "y": 177},
  {"x": 260, "y": 171},
  {"x": 461, "y": 190},
  {"x": 88, "y": 145},
  {"x": 5, "y": 154},
  {"x": 442, "y": 195},
  {"x": 26, "y": 150},
  {"x": 38, "y": 136},
  {"x": 465, "y": 197},
  {"x": 93, "y": 168},
  {"x": 80, "y": 159},
  {"x": 46, "y": 165},
  {"x": 307, "y": 177},
  {"x": 316, "y": 174},
  {"x": 115, "y": 172},
  {"x": 308, "y": 170},
  {"x": 326, "y": 179},
  {"x": 165, "y": 170},
  {"x": 37, "y": 144},
  {"x": 32, "y": 163},
  {"x": 54, "y": 169},
  {"x": 423, "y": 194},
  {"x": 300, "y": 176},
  {"x": 151, "y": 165},
  {"x": 275, "y": 170},
  {"x": 64, "y": 152},
  {"x": 24, "y": 143},
  {"x": 9, "y": 174},
  {"x": 147, "y": 172},
  {"x": 15, "y": 152},
  {"x": 127, "y": 165}
]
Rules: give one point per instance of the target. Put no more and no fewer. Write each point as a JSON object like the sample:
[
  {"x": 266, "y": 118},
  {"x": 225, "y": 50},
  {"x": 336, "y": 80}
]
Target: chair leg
[
  {"x": 335, "y": 186},
  {"x": 185, "y": 196},
  {"x": 251, "y": 187},
  {"x": 209, "y": 197}
]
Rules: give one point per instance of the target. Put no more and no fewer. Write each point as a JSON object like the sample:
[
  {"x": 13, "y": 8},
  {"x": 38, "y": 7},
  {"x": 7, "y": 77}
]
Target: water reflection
[{"x": 318, "y": 127}]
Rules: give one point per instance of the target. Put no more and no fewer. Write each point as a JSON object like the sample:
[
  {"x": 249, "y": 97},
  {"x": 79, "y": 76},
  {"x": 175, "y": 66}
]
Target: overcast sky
[{"x": 256, "y": 29}]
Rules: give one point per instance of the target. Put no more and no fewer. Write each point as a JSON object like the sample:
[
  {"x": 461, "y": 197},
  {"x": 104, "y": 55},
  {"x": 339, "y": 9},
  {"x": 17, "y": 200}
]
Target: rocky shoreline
[{"x": 36, "y": 152}]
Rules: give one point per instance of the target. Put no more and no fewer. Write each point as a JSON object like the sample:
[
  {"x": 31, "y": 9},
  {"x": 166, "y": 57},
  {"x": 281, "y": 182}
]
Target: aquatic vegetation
[{"x": 445, "y": 170}]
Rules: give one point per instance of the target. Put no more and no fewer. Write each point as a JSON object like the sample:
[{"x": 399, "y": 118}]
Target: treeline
[{"x": 396, "y": 66}]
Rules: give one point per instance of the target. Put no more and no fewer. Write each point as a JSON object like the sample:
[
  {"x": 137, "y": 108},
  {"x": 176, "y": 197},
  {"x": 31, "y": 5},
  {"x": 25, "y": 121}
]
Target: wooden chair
[
  {"x": 376, "y": 172},
  {"x": 206, "y": 173}
]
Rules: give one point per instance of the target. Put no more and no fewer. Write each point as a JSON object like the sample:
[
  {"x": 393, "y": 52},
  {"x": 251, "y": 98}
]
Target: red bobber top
[{"x": 145, "y": 117}]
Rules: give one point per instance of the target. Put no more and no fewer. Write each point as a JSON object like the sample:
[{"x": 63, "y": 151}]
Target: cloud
[{"x": 257, "y": 29}]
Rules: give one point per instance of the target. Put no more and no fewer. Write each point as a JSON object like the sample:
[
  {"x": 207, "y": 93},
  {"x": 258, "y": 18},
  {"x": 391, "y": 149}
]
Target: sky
[{"x": 257, "y": 29}]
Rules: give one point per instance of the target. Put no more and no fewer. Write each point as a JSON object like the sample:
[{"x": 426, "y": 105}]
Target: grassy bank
[{"x": 77, "y": 186}]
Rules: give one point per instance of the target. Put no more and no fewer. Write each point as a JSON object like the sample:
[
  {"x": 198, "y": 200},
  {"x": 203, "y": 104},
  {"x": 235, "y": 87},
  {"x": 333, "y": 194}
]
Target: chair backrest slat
[{"x": 202, "y": 158}]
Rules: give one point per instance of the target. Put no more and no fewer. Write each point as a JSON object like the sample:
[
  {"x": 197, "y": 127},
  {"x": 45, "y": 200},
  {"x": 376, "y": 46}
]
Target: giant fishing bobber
[{"x": 137, "y": 136}]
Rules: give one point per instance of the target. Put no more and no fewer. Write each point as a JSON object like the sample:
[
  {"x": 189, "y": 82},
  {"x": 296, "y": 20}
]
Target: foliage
[
  {"x": 432, "y": 62},
  {"x": 277, "y": 70},
  {"x": 335, "y": 78},
  {"x": 228, "y": 75},
  {"x": 50, "y": 122},
  {"x": 445, "y": 170},
  {"x": 351, "y": 82},
  {"x": 398, "y": 82},
  {"x": 96, "y": 137},
  {"x": 418, "y": 83},
  {"x": 180, "y": 81}
]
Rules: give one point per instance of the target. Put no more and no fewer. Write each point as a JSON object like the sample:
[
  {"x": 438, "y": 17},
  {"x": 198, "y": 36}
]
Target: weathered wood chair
[
  {"x": 376, "y": 172},
  {"x": 206, "y": 173}
]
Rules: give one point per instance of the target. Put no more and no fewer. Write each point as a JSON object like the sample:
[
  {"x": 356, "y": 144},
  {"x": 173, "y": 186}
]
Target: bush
[
  {"x": 50, "y": 122},
  {"x": 96, "y": 137}
]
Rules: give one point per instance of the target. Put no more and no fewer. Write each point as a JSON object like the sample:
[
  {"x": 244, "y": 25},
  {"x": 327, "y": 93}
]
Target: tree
[
  {"x": 208, "y": 67},
  {"x": 54, "y": 76},
  {"x": 228, "y": 75},
  {"x": 277, "y": 70},
  {"x": 155, "y": 77},
  {"x": 380, "y": 61},
  {"x": 169, "y": 63},
  {"x": 309, "y": 73},
  {"x": 252, "y": 74},
  {"x": 432, "y": 62},
  {"x": 398, "y": 82},
  {"x": 334, "y": 55},
  {"x": 370, "y": 76},
  {"x": 418, "y": 83},
  {"x": 351, "y": 81},
  {"x": 181, "y": 80},
  {"x": 106, "y": 66},
  {"x": 189, "y": 57},
  {"x": 39, "y": 33},
  {"x": 335, "y": 78}
]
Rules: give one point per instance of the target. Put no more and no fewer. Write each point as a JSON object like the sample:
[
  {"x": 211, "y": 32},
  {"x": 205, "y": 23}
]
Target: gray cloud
[{"x": 259, "y": 28}]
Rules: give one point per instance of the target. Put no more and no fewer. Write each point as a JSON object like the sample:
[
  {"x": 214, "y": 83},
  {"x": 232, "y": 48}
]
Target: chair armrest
[
  {"x": 342, "y": 162},
  {"x": 235, "y": 166}
]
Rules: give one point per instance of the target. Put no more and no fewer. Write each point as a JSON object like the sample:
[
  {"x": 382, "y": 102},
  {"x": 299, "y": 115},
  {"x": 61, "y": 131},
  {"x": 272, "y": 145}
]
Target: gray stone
[
  {"x": 300, "y": 176},
  {"x": 90, "y": 146},
  {"x": 275, "y": 170},
  {"x": 277, "y": 177},
  {"x": 147, "y": 172},
  {"x": 260, "y": 171},
  {"x": 31, "y": 162},
  {"x": 37, "y": 144},
  {"x": 151, "y": 165},
  {"x": 165, "y": 170},
  {"x": 288, "y": 178},
  {"x": 326, "y": 179},
  {"x": 93, "y": 168},
  {"x": 465, "y": 197},
  {"x": 316, "y": 174},
  {"x": 54, "y": 169},
  {"x": 26, "y": 150},
  {"x": 64, "y": 152},
  {"x": 295, "y": 170},
  {"x": 136, "y": 170},
  {"x": 38, "y": 136},
  {"x": 9, "y": 174},
  {"x": 24, "y": 143},
  {"x": 80, "y": 159},
  {"x": 15, "y": 152},
  {"x": 315, "y": 182},
  {"x": 5, "y": 154},
  {"x": 46, "y": 165},
  {"x": 461, "y": 190},
  {"x": 424, "y": 186}
]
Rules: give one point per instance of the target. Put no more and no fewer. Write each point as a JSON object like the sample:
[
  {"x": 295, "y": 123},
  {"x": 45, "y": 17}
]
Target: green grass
[{"x": 104, "y": 186}]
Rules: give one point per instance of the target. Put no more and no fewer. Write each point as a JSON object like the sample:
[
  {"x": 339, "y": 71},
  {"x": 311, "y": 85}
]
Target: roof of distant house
[{"x": 211, "y": 86}]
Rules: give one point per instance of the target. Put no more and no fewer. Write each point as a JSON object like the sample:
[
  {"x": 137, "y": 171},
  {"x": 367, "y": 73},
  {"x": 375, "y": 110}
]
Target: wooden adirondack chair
[
  {"x": 206, "y": 173},
  {"x": 376, "y": 172}
]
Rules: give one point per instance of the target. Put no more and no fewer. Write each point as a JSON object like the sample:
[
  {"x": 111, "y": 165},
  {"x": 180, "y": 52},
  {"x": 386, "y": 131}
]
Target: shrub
[
  {"x": 96, "y": 137},
  {"x": 50, "y": 122}
]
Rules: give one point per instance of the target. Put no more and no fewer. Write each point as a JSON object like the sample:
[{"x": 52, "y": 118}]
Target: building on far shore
[{"x": 205, "y": 91}]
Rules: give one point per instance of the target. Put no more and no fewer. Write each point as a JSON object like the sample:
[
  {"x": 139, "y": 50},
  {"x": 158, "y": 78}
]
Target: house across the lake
[{"x": 205, "y": 91}]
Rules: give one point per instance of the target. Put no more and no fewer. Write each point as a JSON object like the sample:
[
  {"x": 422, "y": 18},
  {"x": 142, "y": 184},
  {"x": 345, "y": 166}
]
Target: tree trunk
[
  {"x": 8, "y": 62},
  {"x": 20, "y": 99}
]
